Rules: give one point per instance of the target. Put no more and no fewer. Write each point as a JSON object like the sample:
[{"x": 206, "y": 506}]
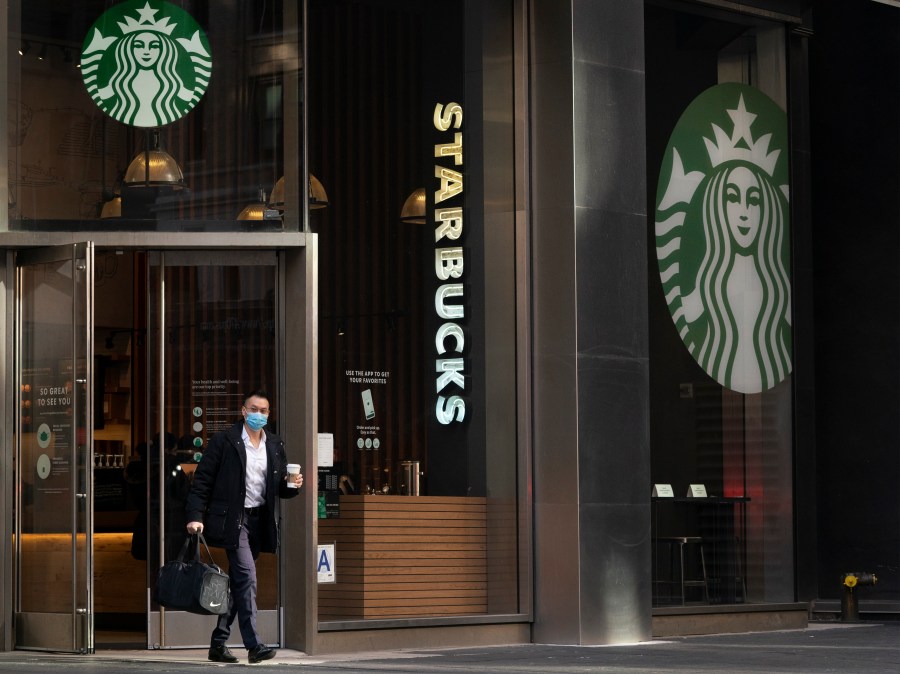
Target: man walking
[{"x": 232, "y": 501}]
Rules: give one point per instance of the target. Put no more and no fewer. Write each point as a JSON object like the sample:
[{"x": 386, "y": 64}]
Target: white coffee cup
[{"x": 293, "y": 470}]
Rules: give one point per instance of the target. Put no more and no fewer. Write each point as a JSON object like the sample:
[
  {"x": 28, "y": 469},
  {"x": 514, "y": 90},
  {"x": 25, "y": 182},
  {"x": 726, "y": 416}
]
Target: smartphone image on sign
[{"x": 368, "y": 405}]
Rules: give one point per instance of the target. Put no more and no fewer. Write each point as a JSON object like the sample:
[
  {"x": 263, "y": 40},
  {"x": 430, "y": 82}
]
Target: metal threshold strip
[{"x": 393, "y": 623}]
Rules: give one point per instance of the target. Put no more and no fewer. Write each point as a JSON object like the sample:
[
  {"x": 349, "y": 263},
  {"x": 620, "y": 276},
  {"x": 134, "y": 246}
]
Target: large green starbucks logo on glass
[
  {"x": 722, "y": 236},
  {"x": 146, "y": 63}
]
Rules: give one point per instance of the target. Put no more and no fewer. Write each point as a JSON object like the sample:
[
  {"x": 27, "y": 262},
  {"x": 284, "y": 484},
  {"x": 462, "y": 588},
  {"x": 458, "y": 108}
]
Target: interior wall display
[
  {"x": 215, "y": 405},
  {"x": 146, "y": 63},
  {"x": 367, "y": 434},
  {"x": 48, "y": 448},
  {"x": 368, "y": 426},
  {"x": 723, "y": 233}
]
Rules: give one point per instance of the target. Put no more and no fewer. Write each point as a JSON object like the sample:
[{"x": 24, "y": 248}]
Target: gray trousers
[{"x": 242, "y": 577}]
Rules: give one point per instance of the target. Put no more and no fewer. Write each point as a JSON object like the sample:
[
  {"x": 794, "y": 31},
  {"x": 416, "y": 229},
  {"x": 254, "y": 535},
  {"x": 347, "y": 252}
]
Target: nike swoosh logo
[{"x": 214, "y": 605}]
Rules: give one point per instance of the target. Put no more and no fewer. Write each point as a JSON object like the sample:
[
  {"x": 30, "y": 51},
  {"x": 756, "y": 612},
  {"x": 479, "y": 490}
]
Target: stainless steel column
[{"x": 591, "y": 402}]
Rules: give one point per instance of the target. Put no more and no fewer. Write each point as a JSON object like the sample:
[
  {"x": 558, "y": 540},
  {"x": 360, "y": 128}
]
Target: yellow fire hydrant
[{"x": 849, "y": 604}]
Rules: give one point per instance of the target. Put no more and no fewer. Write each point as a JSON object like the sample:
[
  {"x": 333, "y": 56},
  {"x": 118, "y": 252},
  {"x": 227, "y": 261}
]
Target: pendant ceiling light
[
  {"x": 154, "y": 167},
  {"x": 112, "y": 208},
  {"x": 413, "y": 210},
  {"x": 318, "y": 198},
  {"x": 276, "y": 199},
  {"x": 255, "y": 211}
]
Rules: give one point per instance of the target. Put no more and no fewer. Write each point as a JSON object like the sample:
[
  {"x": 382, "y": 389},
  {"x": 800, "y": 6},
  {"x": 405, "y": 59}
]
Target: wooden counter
[{"x": 406, "y": 556}]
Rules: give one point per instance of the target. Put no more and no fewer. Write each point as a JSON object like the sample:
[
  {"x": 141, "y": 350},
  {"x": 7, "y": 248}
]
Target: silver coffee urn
[{"x": 409, "y": 478}]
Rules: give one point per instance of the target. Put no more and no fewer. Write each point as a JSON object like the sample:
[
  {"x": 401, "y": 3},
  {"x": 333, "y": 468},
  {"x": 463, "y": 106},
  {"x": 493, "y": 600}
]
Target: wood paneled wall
[{"x": 406, "y": 556}]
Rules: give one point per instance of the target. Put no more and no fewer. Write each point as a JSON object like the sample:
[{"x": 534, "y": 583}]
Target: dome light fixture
[
  {"x": 154, "y": 167},
  {"x": 413, "y": 210},
  {"x": 317, "y": 196},
  {"x": 258, "y": 210}
]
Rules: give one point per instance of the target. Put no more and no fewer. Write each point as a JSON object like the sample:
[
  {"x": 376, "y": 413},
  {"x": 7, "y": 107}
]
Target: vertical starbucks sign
[
  {"x": 722, "y": 236},
  {"x": 146, "y": 63}
]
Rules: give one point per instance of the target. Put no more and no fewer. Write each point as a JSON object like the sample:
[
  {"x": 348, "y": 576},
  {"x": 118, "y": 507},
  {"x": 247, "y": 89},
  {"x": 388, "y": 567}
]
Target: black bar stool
[{"x": 681, "y": 542}]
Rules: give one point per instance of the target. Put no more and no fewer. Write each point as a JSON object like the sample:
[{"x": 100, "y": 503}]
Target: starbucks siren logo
[
  {"x": 146, "y": 64},
  {"x": 722, "y": 236}
]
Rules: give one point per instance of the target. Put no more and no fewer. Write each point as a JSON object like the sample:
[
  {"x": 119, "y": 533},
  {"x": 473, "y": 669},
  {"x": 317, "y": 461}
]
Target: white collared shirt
[{"x": 257, "y": 464}]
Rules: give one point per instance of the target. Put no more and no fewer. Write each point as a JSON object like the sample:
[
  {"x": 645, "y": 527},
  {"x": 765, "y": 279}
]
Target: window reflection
[
  {"x": 69, "y": 158},
  {"x": 417, "y": 489},
  {"x": 720, "y": 413}
]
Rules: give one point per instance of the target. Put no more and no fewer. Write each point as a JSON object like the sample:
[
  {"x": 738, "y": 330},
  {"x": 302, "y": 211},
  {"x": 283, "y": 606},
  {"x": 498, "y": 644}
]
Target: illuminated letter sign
[{"x": 449, "y": 267}]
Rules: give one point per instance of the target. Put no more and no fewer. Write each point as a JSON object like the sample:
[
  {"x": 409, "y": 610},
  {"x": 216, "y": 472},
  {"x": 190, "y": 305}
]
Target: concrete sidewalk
[{"x": 823, "y": 647}]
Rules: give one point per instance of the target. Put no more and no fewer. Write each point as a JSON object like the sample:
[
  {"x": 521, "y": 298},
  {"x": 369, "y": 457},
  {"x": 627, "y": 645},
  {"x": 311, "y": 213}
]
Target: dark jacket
[{"x": 217, "y": 494}]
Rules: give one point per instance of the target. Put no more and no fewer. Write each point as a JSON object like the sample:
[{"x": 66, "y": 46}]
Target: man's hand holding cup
[{"x": 294, "y": 476}]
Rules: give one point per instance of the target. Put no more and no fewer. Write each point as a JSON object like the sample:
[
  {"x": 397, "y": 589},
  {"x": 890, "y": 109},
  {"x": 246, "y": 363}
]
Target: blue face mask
[{"x": 256, "y": 420}]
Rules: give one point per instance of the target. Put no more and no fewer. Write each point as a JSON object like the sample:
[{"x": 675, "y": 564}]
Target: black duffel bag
[{"x": 191, "y": 584}]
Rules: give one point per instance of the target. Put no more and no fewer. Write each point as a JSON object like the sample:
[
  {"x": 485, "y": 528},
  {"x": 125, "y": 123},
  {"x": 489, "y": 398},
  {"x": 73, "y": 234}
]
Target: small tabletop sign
[
  {"x": 696, "y": 491},
  {"x": 663, "y": 491}
]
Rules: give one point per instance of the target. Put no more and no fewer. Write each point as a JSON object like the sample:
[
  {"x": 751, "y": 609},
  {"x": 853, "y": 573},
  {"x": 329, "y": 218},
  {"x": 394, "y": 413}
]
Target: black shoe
[
  {"x": 220, "y": 653},
  {"x": 260, "y": 653}
]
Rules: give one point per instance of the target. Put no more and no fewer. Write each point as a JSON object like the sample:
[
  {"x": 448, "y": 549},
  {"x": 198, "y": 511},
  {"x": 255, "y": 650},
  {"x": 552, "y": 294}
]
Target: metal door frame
[
  {"x": 194, "y": 630},
  {"x": 68, "y": 632},
  {"x": 296, "y": 255}
]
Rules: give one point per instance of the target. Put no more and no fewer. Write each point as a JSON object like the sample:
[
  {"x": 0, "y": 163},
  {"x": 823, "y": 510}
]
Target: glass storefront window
[
  {"x": 177, "y": 117},
  {"x": 411, "y": 128},
  {"x": 720, "y": 309}
]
